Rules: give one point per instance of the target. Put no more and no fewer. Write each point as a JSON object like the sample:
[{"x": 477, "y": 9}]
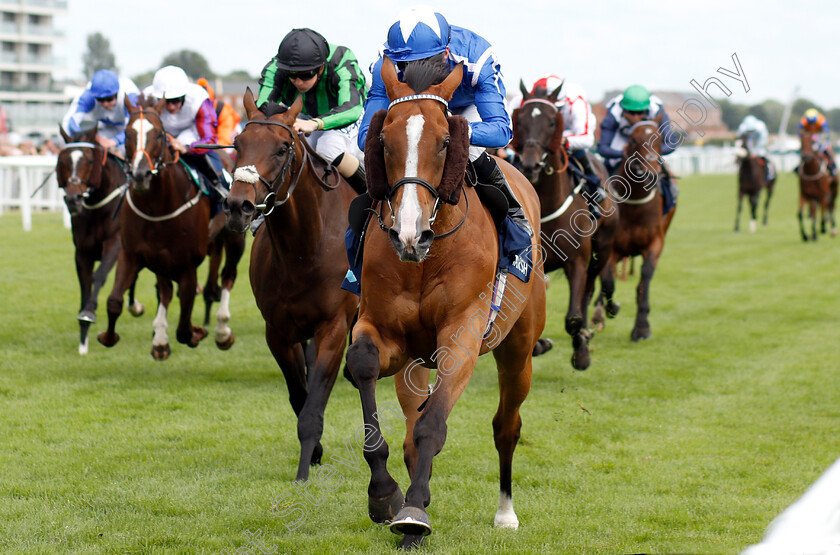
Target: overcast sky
[{"x": 602, "y": 46}]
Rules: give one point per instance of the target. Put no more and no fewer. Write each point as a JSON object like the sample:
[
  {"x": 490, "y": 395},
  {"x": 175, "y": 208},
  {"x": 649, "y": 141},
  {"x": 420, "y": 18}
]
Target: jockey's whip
[{"x": 44, "y": 182}]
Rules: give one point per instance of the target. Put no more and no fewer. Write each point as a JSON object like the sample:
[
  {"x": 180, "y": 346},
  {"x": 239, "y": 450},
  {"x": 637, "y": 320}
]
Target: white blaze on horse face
[
  {"x": 141, "y": 142},
  {"x": 535, "y": 113},
  {"x": 410, "y": 212},
  {"x": 75, "y": 156}
]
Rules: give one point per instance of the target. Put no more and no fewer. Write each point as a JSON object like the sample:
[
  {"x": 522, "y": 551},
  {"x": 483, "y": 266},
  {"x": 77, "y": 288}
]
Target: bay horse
[
  {"x": 752, "y": 179},
  {"x": 298, "y": 259},
  {"x": 165, "y": 228},
  {"x": 817, "y": 189},
  {"x": 641, "y": 225},
  {"x": 93, "y": 182},
  {"x": 423, "y": 301},
  {"x": 572, "y": 240}
]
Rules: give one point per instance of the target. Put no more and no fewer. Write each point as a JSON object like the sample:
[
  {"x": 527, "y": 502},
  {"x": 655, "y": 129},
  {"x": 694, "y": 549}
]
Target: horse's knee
[
  {"x": 115, "y": 305},
  {"x": 363, "y": 360}
]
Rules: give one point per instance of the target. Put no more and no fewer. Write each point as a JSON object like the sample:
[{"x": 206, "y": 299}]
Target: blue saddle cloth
[{"x": 515, "y": 255}]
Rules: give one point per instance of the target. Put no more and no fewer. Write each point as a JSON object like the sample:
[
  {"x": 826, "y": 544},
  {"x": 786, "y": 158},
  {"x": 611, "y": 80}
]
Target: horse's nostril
[
  {"x": 248, "y": 208},
  {"x": 426, "y": 238}
]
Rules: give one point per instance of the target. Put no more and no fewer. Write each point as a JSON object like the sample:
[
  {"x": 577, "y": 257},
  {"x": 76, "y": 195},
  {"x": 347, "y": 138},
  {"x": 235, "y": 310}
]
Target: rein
[{"x": 249, "y": 174}]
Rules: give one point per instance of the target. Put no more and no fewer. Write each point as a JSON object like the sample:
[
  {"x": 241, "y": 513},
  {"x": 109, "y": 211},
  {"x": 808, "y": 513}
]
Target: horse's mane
[
  {"x": 273, "y": 108},
  {"x": 422, "y": 74}
]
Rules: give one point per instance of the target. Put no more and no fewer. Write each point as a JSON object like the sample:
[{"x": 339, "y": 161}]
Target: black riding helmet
[{"x": 301, "y": 50}]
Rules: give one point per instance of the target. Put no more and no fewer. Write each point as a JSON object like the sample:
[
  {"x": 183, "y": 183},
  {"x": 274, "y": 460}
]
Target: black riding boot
[
  {"x": 488, "y": 172},
  {"x": 591, "y": 184},
  {"x": 358, "y": 180}
]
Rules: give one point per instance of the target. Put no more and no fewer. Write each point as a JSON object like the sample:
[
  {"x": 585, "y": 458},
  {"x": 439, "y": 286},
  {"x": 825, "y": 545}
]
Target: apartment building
[{"x": 28, "y": 59}]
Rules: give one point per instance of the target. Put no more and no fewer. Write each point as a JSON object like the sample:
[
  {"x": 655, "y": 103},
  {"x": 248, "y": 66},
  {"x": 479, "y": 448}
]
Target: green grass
[{"x": 691, "y": 441}]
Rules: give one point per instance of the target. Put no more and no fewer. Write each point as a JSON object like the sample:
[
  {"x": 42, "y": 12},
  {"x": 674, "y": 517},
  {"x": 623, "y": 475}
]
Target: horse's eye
[
  {"x": 446, "y": 142},
  {"x": 283, "y": 150}
]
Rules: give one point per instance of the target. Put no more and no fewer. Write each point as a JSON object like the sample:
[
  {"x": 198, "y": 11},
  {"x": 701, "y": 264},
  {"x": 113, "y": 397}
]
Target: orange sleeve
[{"x": 228, "y": 119}]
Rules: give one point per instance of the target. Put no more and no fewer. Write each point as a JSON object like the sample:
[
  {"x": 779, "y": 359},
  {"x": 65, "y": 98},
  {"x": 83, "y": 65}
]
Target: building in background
[{"x": 33, "y": 103}]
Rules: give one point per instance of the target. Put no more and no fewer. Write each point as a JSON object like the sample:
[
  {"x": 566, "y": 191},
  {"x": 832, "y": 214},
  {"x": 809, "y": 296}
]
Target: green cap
[{"x": 636, "y": 98}]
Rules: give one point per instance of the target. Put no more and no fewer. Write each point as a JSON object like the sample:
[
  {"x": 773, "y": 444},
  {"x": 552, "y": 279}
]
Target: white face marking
[
  {"x": 75, "y": 156},
  {"x": 535, "y": 113},
  {"x": 141, "y": 142},
  {"x": 410, "y": 212}
]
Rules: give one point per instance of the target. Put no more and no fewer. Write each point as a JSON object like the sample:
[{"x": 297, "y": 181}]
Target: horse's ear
[
  {"x": 526, "y": 95},
  {"x": 377, "y": 181},
  {"x": 159, "y": 106},
  {"x": 515, "y": 143},
  {"x": 250, "y": 103},
  {"x": 658, "y": 118},
  {"x": 556, "y": 92},
  {"x": 452, "y": 81},
  {"x": 457, "y": 156},
  {"x": 64, "y": 135},
  {"x": 127, "y": 102},
  {"x": 557, "y": 139},
  {"x": 295, "y": 108}
]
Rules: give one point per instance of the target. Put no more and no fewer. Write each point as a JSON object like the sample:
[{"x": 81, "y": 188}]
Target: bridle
[
  {"x": 649, "y": 157},
  {"x": 543, "y": 163},
  {"x": 159, "y": 162},
  {"x": 271, "y": 202},
  {"x": 74, "y": 179},
  {"x": 422, "y": 182}
]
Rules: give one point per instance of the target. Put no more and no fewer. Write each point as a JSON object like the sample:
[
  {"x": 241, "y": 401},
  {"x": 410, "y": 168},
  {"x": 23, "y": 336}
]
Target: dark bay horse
[
  {"x": 817, "y": 189},
  {"x": 165, "y": 228},
  {"x": 642, "y": 226},
  {"x": 572, "y": 240},
  {"x": 423, "y": 300},
  {"x": 93, "y": 182},
  {"x": 752, "y": 179},
  {"x": 298, "y": 260}
]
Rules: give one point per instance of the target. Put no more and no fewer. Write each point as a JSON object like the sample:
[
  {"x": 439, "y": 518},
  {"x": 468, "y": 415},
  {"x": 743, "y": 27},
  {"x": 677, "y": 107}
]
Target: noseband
[{"x": 270, "y": 203}]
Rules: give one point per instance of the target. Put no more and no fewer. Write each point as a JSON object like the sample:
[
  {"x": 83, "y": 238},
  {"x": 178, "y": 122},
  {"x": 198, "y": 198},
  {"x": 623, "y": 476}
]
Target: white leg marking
[
  {"x": 752, "y": 226},
  {"x": 83, "y": 347},
  {"x": 410, "y": 212},
  {"x": 160, "y": 339},
  {"x": 223, "y": 317},
  {"x": 505, "y": 517}
]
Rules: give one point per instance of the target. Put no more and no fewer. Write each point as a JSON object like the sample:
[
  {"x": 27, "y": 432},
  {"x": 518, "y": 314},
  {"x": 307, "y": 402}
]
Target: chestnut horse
[
  {"x": 93, "y": 182},
  {"x": 751, "y": 181},
  {"x": 567, "y": 226},
  {"x": 817, "y": 188},
  {"x": 423, "y": 294},
  {"x": 641, "y": 226},
  {"x": 298, "y": 260},
  {"x": 165, "y": 228}
]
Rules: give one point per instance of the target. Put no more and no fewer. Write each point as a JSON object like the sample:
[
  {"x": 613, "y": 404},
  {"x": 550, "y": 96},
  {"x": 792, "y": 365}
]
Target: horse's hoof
[
  {"x": 612, "y": 309},
  {"x": 161, "y": 352},
  {"x": 411, "y": 521},
  {"x": 225, "y": 345},
  {"x": 198, "y": 334},
  {"x": 137, "y": 309},
  {"x": 640, "y": 333},
  {"x": 412, "y": 542},
  {"x": 581, "y": 361},
  {"x": 109, "y": 340},
  {"x": 87, "y": 316},
  {"x": 544, "y": 344},
  {"x": 383, "y": 511}
]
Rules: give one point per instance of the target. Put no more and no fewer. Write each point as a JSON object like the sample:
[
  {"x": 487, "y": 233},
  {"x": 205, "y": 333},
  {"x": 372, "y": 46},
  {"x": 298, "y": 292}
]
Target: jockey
[
  {"x": 421, "y": 33},
  {"x": 624, "y": 111},
  {"x": 228, "y": 118},
  {"x": 816, "y": 123},
  {"x": 190, "y": 119},
  {"x": 333, "y": 89},
  {"x": 752, "y": 134},
  {"x": 102, "y": 102}
]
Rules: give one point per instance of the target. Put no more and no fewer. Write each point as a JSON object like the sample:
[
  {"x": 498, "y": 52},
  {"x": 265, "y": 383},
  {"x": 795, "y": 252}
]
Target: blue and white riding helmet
[
  {"x": 104, "y": 83},
  {"x": 418, "y": 32}
]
